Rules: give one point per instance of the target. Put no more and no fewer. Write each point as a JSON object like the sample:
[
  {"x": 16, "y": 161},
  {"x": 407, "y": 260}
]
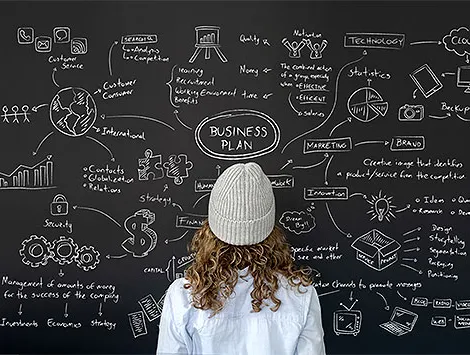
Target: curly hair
[{"x": 214, "y": 271}]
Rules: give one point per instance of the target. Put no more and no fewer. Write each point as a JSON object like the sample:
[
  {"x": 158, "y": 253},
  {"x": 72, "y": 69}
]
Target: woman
[{"x": 242, "y": 294}]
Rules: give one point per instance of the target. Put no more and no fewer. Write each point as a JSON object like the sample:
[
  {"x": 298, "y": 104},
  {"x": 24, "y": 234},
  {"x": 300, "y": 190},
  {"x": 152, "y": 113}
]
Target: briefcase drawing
[{"x": 59, "y": 206}]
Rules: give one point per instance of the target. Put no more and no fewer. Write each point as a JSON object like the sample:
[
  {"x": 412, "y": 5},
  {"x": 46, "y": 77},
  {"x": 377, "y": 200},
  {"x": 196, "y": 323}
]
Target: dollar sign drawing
[{"x": 143, "y": 239}]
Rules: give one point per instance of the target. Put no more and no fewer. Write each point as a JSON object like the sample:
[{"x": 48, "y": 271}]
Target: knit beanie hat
[{"x": 242, "y": 205}]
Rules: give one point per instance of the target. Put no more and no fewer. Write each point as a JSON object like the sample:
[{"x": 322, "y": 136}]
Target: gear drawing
[
  {"x": 35, "y": 251},
  {"x": 87, "y": 258},
  {"x": 64, "y": 250}
]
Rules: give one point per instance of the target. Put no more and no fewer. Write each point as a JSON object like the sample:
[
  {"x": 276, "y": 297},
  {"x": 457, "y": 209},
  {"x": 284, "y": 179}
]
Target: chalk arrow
[
  {"x": 440, "y": 117},
  {"x": 289, "y": 161},
  {"x": 349, "y": 119},
  {"x": 313, "y": 165},
  {"x": 35, "y": 108},
  {"x": 447, "y": 74},
  {"x": 20, "y": 312},
  {"x": 412, "y": 268},
  {"x": 387, "y": 307},
  {"x": 116, "y": 256},
  {"x": 371, "y": 142},
  {"x": 54, "y": 70},
  {"x": 412, "y": 231},
  {"x": 109, "y": 57},
  {"x": 42, "y": 141},
  {"x": 176, "y": 239},
  {"x": 99, "y": 311},
  {"x": 426, "y": 42},
  {"x": 65, "y": 310},
  {"x": 179, "y": 120},
  {"x": 463, "y": 119},
  {"x": 174, "y": 204},
  {"x": 103, "y": 145},
  {"x": 104, "y": 116},
  {"x": 267, "y": 70},
  {"x": 98, "y": 211}
]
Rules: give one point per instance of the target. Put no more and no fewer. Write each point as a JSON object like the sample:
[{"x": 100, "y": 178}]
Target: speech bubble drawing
[
  {"x": 297, "y": 222},
  {"x": 458, "y": 41}
]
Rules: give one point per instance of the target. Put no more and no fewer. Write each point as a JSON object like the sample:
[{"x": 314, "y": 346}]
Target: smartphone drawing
[
  {"x": 25, "y": 35},
  {"x": 426, "y": 81}
]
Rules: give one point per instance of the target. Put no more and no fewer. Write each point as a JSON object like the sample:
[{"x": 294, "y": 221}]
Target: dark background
[{"x": 26, "y": 79}]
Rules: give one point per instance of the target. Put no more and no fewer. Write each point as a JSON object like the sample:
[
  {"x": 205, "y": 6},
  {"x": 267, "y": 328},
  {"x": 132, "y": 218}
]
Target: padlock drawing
[{"x": 59, "y": 206}]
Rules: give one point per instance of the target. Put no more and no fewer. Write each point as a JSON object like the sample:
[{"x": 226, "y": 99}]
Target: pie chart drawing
[{"x": 366, "y": 104}]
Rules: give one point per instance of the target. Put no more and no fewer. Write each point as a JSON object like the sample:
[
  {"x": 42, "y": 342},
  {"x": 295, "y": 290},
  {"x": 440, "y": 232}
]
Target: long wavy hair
[{"x": 214, "y": 271}]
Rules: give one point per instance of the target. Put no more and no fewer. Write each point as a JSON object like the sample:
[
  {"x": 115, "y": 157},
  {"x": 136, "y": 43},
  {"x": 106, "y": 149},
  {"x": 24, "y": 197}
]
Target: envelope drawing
[{"x": 43, "y": 44}]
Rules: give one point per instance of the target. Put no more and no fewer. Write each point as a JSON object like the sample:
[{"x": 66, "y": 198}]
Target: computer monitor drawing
[{"x": 463, "y": 78}]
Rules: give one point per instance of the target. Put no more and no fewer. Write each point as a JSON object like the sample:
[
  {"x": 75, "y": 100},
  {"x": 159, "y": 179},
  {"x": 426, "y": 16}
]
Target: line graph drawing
[{"x": 36, "y": 177}]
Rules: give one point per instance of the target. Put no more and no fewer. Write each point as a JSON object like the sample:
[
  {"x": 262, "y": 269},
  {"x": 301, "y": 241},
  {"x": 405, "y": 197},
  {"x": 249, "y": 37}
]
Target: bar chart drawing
[{"x": 36, "y": 177}]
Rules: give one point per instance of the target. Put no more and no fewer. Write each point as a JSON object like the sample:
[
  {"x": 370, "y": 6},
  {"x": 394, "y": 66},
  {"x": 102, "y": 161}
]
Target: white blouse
[{"x": 294, "y": 329}]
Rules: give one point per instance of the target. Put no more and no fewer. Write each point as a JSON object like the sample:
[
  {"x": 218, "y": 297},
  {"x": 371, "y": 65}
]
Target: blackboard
[{"x": 117, "y": 117}]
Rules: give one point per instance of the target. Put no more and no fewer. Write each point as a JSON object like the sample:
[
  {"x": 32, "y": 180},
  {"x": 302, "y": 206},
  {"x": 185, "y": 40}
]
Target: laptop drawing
[{"x": 401, "y": 322}]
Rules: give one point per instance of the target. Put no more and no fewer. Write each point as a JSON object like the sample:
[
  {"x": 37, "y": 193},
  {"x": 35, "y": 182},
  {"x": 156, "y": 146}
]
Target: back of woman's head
[
  {"x": 216, "y": 268},
  {"x": 241, "y": 233}
]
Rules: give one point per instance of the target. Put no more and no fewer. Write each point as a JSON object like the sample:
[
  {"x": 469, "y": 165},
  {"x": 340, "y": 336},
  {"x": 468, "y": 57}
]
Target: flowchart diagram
[{"x": 109, "y": 165}]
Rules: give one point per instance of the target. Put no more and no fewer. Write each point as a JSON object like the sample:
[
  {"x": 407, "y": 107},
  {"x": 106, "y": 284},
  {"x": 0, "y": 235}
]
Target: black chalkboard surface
[{"x": 117, "y": 117}]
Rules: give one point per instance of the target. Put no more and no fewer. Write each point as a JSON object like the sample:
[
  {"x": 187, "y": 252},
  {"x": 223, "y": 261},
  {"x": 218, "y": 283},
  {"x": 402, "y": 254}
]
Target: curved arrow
[
  {"x": 291, "y": 104},
  {"x": 174, "y": 204},
  {"x": 339, "y": 124},
  {"x": 140, "y": 117},
  {"x": 35, "y": 108},
  {"x": 98, "y": 211},
  {"x": 334, "y": 223},
  {"x": 399, "y": 294},
  {"x": 387, "y": 307},
  {"x": 358, "y": 194},
  {"x": 326, "y": 169},
  {"x": 403, "y": 209},
  {"x": 54, "y": 70},
  {"x": 104, "y": 146},
  {"x": 179, "y": 120},
  {"x": 439, "y": 117},
  {"x": 116, "y": 256},
  {"x": 463, "y": 119},
  {"x": 311, "y": 166},
  {"x": 200, "y": 198},
  {"x": 109, "y": 58},
  {"x": 43, "y": 140},
  {"x": 412, "y": 268},
  {"x": 174, "y": 240}
]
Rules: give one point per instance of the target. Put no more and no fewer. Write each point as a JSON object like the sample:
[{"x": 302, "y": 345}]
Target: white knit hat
[{"x": 242, "y": 205}]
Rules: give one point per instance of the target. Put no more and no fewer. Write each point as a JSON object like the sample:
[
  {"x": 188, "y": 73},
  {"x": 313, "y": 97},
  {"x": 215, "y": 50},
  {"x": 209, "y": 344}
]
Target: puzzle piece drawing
[
  {"x": 150, "y": 166},
  {"x": 177, "y": 167}
]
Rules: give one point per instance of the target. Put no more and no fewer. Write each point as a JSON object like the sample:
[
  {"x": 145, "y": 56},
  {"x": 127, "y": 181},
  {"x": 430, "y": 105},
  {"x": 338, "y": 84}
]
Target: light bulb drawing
[{"x": 381, "y": 207}]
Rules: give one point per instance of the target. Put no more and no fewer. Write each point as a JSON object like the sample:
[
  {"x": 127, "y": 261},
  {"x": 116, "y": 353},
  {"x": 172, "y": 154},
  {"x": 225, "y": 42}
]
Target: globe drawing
[
  {"x": 365, "y": 104},
  {"x": 73, "y": 111}
]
